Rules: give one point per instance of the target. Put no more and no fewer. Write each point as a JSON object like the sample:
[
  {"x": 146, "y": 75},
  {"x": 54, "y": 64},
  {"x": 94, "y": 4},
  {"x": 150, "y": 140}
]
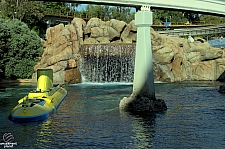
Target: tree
[
  {"x": 73, "y": 6},
  {"x": 22, "y": 49},
  {"x": 29, "y": 12},
  {"x": 109, "y": 12},
  {"x": 4, "y": 36},
  {"x": 209, "y": 19},
  {"x": 192, "y": 17},
  {"x": 23, "y": 10},
  {"x": 57, "y": 8},
  {"x": 161, "y": 16}
]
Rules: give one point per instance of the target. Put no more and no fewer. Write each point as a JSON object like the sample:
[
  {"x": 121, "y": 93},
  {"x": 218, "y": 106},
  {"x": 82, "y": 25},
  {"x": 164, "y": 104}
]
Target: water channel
[{"x": 89, "y": 117}]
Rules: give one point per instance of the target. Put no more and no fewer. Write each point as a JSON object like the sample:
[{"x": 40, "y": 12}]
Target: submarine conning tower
[{"x": 44, "y": 79}]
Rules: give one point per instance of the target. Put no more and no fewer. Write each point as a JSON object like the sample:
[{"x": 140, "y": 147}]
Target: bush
[
  {"x": 22, "y": 50},
  {"x": 4, "y": 36}
]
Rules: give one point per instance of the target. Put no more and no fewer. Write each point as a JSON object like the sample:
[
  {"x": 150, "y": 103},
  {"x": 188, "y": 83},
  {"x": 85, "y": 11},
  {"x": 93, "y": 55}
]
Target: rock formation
[
  {"x": 61, "y": 51},
  {"x": 174, "y": 58}
]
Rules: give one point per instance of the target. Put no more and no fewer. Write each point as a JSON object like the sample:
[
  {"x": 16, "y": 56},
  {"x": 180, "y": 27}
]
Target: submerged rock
[
  {"x": 222, "y": 89},
  {"x": 142, "y": 104}
]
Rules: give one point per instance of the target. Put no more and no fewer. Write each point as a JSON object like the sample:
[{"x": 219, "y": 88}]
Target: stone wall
[{"x": 174, "y": 58}]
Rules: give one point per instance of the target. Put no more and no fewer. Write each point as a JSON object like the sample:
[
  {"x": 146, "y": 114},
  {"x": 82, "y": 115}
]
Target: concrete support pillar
[
  {"x": 143, "y": 97},
  {"x": 143, "y": 85}
]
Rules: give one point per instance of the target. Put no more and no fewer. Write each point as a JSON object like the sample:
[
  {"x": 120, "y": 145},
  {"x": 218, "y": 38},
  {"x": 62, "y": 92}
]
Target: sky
[{"x": 80, "y": 7}]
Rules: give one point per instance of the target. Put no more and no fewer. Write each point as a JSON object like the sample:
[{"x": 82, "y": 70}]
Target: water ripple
[{"x": 89, "y": 117}]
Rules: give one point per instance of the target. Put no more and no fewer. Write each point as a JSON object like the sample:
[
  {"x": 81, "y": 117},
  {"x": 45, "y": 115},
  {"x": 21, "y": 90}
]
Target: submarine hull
[
  {"x": 39, "y": 103},
  {"x": 37, "y": 109}
]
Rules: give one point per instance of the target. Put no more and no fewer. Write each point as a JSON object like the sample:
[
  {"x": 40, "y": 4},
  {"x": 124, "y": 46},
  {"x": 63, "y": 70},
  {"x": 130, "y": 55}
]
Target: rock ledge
[{"x": 142, "y": 104}]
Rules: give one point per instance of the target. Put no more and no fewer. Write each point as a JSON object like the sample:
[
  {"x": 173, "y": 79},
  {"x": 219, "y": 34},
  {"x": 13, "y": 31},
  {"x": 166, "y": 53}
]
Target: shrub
[
  {"x": 22, "y": 50},
  {"x": 4, "y": 36}
]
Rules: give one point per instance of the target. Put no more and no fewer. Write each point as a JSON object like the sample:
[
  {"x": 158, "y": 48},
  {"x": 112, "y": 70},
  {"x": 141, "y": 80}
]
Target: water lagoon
[{"x": 89, "y": 117}]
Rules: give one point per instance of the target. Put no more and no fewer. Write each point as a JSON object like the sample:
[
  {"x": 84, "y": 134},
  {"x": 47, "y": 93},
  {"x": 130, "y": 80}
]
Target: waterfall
[{"x": 107, "y": 63}]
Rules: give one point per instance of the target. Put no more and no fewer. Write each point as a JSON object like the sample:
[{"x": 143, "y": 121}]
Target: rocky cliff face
[
  {"x": 174, "y": 58},
  {"x": 61, "y": 51},
  {"x": 177, "y": 59}
]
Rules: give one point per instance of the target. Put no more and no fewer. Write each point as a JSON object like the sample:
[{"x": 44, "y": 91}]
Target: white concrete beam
[{"x": 208, "y": 6}]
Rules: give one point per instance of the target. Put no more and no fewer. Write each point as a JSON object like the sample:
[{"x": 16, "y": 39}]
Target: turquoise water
[{"x": 89, "y": 117}]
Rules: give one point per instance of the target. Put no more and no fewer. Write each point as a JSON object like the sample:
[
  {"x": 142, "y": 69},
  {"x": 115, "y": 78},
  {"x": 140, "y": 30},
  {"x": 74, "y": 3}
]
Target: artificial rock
[{"x": 174, "y": 58}]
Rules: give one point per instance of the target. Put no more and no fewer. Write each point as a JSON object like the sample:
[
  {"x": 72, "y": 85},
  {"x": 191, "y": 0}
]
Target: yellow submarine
[{"x": 39, "y": 103}]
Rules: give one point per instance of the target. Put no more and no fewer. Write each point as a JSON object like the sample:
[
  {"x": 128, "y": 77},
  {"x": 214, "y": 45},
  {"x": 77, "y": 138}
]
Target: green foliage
[
  {"x": 193, "y": 18},
  {"x": 161, "y": 16},
  {"x": 29, "y": 12},
  {"x": 57, "y": 8},
  {"x": 209, "y": 19},
  {"x": 22, "y": 49},
  {"x": 107, "y": 13},
  {"x": 4, "y": 36},
  {"x": 23, "y": 10},
  {"x": 122, "y": 13}
]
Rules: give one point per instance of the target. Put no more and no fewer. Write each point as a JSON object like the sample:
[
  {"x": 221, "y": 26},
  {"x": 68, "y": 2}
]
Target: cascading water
[{"x": 107, "y": 63}]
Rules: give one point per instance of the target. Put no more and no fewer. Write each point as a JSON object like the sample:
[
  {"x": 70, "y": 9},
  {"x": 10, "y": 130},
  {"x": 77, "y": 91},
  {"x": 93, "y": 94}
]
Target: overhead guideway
[{"x": 207, "y": 6}]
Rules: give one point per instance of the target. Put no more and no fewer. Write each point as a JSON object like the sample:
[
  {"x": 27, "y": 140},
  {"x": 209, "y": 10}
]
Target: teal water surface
[{"x": 89, "y": 117}]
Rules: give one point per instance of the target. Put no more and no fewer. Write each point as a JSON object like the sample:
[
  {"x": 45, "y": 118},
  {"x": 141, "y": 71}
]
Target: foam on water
[{"x": 105, "y": 83}]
